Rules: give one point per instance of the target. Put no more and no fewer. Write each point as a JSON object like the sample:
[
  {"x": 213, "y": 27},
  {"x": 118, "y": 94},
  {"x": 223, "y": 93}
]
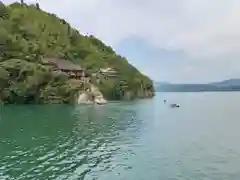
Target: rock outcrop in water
[
  {"x": 29, "y": 35},
  {"x": 91, "y": 96}
]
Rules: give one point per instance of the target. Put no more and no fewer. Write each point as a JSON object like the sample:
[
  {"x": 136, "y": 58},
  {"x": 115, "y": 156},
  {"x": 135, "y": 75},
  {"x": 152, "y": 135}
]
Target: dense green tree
[
  {"x": 4, "y": 14},
  {"x": 38, "y": 6},
  {"x": 28, "y": 34}
]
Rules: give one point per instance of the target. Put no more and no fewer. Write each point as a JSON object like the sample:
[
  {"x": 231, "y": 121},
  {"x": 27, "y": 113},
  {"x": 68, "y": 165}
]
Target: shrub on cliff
[{"x": 28, "y": 82}]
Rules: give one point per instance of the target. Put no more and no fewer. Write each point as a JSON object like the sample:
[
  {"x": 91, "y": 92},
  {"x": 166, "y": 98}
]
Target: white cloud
[
  {"x": 205, "y": 30},
  {"x": 195, "y": 26}
]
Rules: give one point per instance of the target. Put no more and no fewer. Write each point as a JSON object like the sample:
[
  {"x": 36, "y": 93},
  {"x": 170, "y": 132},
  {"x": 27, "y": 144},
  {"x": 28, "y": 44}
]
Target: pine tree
[{"x": 37, "y": 5}]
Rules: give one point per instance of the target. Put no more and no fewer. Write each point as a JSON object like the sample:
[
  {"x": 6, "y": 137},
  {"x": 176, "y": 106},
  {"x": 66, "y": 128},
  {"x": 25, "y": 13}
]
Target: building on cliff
[
  {"x": 109, "y": 72},
  {"x": 74, "y": 71}
]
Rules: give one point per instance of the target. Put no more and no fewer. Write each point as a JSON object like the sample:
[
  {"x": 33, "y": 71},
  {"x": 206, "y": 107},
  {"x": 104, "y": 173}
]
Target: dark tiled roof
[{"x": 63, "y": 64}]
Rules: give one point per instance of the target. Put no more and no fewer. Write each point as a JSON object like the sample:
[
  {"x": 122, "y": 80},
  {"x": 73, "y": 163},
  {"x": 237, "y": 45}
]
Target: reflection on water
[{"x": 124, "y": 141}]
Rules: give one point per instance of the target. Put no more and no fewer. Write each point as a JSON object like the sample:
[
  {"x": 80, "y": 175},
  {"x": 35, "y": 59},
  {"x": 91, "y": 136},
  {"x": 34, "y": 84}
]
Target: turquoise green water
[{"x": 138, "y": 140}]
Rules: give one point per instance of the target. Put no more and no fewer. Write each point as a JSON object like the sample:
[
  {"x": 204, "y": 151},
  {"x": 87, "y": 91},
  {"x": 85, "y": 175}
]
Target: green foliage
[
  {"x": 4, "y": 14},
  {"x": 28, "y": 82},
  {"x": 28, "y": 34}
]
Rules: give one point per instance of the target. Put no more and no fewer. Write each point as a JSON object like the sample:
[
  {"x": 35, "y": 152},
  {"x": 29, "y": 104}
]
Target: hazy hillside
[
  {"x": 226, "y": 85},
  {"x": 229, "y": 82}
]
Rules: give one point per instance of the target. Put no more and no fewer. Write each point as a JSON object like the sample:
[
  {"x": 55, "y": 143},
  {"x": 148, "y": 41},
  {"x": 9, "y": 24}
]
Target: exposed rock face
[
  {"x": 85, "y": 98},
  {"x": 127, "y": 96},
  {"x": 141, "y": 94},
  {"x": 99, "y": 100},
  {"x": 98, "y": 96},
  {"x": 92, "y": 96}
]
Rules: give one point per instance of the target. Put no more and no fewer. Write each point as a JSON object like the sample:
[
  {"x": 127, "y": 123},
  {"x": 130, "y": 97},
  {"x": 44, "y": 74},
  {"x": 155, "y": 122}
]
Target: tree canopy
[{"x": 29, "y": 34}]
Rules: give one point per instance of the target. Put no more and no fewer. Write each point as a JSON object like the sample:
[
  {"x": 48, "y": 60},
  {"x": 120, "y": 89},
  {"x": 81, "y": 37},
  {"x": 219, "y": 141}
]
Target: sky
[{"x": 179, "y": 41}]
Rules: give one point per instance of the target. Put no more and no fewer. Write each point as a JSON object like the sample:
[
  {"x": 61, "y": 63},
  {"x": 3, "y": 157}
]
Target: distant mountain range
[
  {"x": 229, "y": 82},
  {"x": 226, "y": 85}
]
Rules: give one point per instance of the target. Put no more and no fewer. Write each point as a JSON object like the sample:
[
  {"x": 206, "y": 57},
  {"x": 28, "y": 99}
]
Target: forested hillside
[{"x": 28, "y": 34}]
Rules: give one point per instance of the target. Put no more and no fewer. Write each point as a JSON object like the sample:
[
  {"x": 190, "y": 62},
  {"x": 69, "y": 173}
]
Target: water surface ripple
[{"x": 137, "y": 140}]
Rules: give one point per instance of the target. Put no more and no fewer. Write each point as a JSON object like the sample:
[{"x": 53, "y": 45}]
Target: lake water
[{"x": 137, "y": 140}]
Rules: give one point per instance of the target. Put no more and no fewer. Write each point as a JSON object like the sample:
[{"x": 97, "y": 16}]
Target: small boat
[{"x": 174, "y": 105}]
